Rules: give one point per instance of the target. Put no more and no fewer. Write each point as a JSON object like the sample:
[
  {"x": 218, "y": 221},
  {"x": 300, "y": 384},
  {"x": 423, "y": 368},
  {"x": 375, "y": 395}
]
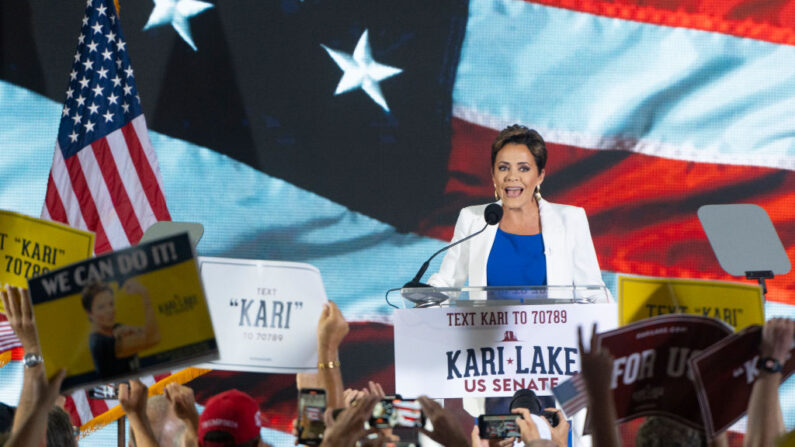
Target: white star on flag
[
  {"x": 177, "y": 13},
  {"x": 360, "y": 70}
]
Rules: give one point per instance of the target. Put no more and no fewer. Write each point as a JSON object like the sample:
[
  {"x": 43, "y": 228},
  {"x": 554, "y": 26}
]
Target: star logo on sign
[
  {"x": 177, "y": 13},
  {"x": 360, "y": 70}
]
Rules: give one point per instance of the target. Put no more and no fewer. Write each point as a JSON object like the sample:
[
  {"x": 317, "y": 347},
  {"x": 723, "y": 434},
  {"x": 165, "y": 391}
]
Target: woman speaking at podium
[{"x": 536, "y": 242}]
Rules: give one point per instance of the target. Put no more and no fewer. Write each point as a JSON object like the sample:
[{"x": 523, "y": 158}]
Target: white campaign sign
[
  {"x": 491, "y": 351},
  {"x": 264, "y": 313}
]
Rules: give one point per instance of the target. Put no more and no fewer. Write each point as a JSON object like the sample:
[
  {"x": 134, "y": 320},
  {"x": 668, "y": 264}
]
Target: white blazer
[{"x": 569, "y": 250}]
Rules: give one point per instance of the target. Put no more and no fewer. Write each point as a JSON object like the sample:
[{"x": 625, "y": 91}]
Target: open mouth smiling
[{"x": 513, "y": 191}]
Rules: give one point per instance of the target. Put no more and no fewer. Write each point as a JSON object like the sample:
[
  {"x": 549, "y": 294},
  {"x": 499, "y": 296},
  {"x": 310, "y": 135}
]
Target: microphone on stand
[{"x": 492, "y": 214}]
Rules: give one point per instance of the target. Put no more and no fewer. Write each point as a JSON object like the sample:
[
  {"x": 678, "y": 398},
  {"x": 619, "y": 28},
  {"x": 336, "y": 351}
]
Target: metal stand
[{"x": 761, "y": 276}]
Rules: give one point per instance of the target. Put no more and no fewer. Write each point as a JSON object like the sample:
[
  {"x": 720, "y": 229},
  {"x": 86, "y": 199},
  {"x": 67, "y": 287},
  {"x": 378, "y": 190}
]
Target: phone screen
[
  {"x": 498, "y": 426},
  {"x": 397, "y": 413},
  {"x": 311, "y": 406}
]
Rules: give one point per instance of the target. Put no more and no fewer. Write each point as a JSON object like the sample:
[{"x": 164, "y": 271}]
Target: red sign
[
  {"x": 724, "y": 375},
  {"x": 650, "y": 366}
]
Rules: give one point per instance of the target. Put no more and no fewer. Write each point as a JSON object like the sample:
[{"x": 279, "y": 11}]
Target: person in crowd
[
  {"x": 183, "y": 405},
  {"x": 765, "y": 420},
  {"x": 596, "y": 366},
  {"x": 32, "y": 421},
  {"x": 331, "y": 330},
  {"x": 60, "y": 432},
  {"x": 657, "y": 431},
  {"x": 230, "y": 419},
  {"x": 133, "y": 397},
  {"x": 115, "y": 346},
  {"x": 536, "y": 242},
  {"x": 168, "y": 429}
]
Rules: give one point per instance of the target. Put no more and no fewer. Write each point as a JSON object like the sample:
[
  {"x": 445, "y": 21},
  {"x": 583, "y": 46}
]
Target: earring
[
  {"x": 496, "y": 196},
  {"x": 537, "y": 193}
]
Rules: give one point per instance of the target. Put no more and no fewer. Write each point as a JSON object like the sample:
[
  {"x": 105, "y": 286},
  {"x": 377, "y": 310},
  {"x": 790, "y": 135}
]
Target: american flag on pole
[
  {"x": 104, "y": 177},
  {"x": 571, "y": 395}
]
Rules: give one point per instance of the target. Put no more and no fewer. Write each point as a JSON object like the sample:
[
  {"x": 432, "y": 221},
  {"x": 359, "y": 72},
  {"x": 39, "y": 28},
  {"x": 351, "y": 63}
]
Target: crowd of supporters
[{"x": 232, "y": 418}]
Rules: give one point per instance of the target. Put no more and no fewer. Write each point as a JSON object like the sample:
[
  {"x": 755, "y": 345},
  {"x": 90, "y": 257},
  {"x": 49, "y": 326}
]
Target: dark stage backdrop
[{"x": 348, "y": 134}]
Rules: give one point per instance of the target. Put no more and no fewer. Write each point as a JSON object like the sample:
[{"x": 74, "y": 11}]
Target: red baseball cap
[{"x": 234, "y": 412}]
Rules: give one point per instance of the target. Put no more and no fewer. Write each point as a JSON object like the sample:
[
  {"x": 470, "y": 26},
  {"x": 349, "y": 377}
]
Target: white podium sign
[
  {"x": 492, "y": 351},
  {"x": 264, "y": 313}
]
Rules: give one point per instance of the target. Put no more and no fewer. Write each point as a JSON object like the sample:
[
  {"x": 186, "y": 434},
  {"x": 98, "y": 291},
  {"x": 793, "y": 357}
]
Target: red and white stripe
[
  {"x": 577, "y": 403},
  {"x": 112, "y": 187},
  {"x": 8, "y": 340}
]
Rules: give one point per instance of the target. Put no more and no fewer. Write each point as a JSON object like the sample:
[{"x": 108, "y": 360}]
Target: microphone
[{"x": 492, "y": 214}]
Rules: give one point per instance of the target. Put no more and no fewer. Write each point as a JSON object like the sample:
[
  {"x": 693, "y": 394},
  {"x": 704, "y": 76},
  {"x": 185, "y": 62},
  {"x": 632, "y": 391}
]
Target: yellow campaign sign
[
  {"x": 737, "y": 304},
  {"x": 137, "y": 310},
  {"x": 30, "y": 247}
]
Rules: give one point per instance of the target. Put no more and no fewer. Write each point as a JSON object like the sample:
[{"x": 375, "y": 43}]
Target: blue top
[{"x": 517, "y": 260}]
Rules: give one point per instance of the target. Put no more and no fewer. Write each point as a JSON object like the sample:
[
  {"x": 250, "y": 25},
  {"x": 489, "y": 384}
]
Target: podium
[
  {"x": 510, "y": 337},
  {"x": 476, "y": 342}
]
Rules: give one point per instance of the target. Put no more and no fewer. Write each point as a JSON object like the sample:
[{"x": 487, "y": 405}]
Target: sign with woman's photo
[
  {"x": 265, "y": 313},
  {"x": 141, "y": 309}
]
